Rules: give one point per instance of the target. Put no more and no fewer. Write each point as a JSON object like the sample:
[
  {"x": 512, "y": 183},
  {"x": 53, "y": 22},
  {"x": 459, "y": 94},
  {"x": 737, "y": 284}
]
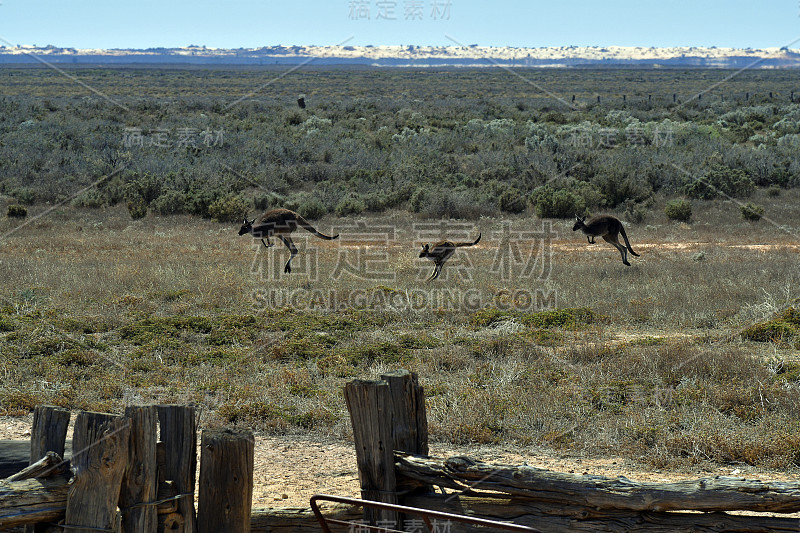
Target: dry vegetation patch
[{"x": 630, "y": 362}]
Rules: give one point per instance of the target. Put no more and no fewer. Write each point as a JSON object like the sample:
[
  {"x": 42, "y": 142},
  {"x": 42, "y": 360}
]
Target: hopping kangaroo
[
  {"x": 608, "y": 228},
  {"x": 280, "y": 222},
  {"x": 441, "y": 252}
]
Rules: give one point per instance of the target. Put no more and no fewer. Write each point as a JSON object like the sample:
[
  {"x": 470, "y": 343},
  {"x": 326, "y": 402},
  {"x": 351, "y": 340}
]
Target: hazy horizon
[{"x": 249, "y": 24}]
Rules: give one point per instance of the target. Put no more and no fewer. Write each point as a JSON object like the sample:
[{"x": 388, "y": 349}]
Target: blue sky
[{"x": 252, "y": 23}]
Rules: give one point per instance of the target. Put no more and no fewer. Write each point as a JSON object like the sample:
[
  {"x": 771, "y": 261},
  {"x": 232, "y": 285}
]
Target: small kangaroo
[
  {"x": 608, "y": 228},
  {"x": 441, "y": 252},
  {"x": 280, "y": 222}
]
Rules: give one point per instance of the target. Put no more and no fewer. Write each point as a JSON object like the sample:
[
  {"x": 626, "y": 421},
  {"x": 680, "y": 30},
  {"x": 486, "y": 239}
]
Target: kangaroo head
[
  {"x": 424, "y": 252},
  {"x": 247, "y": 227},
  {"x": 578, "y": 223}
]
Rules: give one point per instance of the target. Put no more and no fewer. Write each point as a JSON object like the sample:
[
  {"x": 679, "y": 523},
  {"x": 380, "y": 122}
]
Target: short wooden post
[
  {"x": 140, "y": 484},
  {"x": 99, "y": 455},
  {"x": 48, "y": 434},
  {"x": 226, "y": 481},
  {"x": 49, "y": 431},
  {"x": 179, "y": 438},
  {"x": 409, "y": 419},
  {"x": 370, "y": 415}
]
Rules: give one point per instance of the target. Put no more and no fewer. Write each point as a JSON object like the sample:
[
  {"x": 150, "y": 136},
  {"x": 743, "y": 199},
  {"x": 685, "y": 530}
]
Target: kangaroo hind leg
[
  {"x": 436, "y": 271},
  {"x": 611, "y": 239},
  {"x": 292, "y": 248}
]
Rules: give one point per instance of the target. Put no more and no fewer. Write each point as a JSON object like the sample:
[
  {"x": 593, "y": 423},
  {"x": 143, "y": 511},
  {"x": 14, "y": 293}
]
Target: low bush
[
  {"x": 16, "y": 211},
  {"x": 679, "y": 210},
  {"x": 232, "y": 208},
  {"x": 752, "y": 212}
]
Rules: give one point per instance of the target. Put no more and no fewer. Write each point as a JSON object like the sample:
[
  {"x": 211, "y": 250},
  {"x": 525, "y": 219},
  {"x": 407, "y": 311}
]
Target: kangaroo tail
[
  {"x": 304, "y": 223},
  {"x": 476, "y": 241},
  {"x": 627, "y": 244}
]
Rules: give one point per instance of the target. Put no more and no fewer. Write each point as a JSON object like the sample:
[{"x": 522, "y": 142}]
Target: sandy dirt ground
[{"x": 289, "y": 470}]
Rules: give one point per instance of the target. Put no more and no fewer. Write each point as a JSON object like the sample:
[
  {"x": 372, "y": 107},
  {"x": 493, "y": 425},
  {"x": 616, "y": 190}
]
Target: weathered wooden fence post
[
  {"x": 179, "y": 440},
  {"x": 226, "y": 481},
  {"x": 49, "y": 431},
  {"x": 99, "y": 456},
  {"x": 140, "y": 485},
  {"x": 409, "y": 419},
  {"x": 370, "y": 415},
  {"x": 48, "y": 434}
]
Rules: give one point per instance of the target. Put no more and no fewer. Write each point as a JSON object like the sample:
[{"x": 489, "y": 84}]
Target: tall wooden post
[
  {"x": 226, "y": 481},
  {"x": 48, "y": 434},
  {"x": 140, "y": 485},
  {"x": 370, "y": 415},
  {"x": 179, "y": 439},
  {"x": 99, "y": 455}
]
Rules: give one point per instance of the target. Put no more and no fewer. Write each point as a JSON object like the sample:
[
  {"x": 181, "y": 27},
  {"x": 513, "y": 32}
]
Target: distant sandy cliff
[{"x": 417, "y": 56}]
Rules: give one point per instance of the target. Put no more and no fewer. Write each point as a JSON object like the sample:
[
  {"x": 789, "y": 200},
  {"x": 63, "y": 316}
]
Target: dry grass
[{"x": 98, "y": 311}]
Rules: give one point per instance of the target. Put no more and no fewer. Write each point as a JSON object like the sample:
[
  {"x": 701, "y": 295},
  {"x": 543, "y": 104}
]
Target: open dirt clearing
[{"x": 289, "y": 470}]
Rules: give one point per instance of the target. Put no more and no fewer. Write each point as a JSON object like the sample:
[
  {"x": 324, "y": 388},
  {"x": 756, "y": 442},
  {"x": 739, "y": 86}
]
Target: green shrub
[
  {"x": 352, "y": 204},
  {"x": 773, "y": 191},
  {"x": 24, "y": 195},
  {"x": 92, "y": 199},
  {"x": 137, "y": 208},
  {"x": 231, "y": 208},
  {"x": 16, "y": 211},
  {"x": 680, "y": 210},
  {"x": 418, "y": 199},
  {"x": 512, "y": 201},
  {"x": 267, "y": 200},
  {"x": 198, "y": 201},
  {"x": 312, "y": 209},
  {"x": 170, "y": 203},
  {"x": 556, "y": 203},
  {"x": 782, "y": 327},
  {"x": 752, "y": 212},
  {"x": 634, "y": 212},
  {"x": 721, "y": 179}
]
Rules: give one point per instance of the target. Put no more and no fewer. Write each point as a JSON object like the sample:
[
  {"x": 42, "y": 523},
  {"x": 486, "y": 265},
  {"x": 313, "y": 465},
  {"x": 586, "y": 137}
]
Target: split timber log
[
  {"x": 602, "y": 493},
  {"x": 562, "y": 518},
  {"x": 49, "y": 465},
  {"x": 298, "y": 519},
  {"x": 15, "y": 455},
  {"x": 32, "y": 500}
]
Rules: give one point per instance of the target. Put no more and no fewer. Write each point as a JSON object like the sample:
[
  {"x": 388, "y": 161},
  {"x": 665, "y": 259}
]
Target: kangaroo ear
[{"x": 251, "y": 222}]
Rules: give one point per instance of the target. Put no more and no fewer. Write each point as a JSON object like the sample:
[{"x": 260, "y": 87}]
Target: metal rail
[{"x": 435, "y": 521}]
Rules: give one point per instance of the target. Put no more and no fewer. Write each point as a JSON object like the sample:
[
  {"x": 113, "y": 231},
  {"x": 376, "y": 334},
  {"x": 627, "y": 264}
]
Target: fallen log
[
  {"x": 49, "y": 465},
  {"x": 15, "y": 455},
  {"x": 297, "y": 519},
  {"x": 597, "y": 492},
  {"x": 32, "y": 501},
  {"x": 560, "y": 518}
]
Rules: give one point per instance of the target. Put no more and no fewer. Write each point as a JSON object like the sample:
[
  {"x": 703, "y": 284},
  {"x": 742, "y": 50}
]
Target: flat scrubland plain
[
  {"x": 646, "y": 362},
  {"x": 127, "y": 282}
]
